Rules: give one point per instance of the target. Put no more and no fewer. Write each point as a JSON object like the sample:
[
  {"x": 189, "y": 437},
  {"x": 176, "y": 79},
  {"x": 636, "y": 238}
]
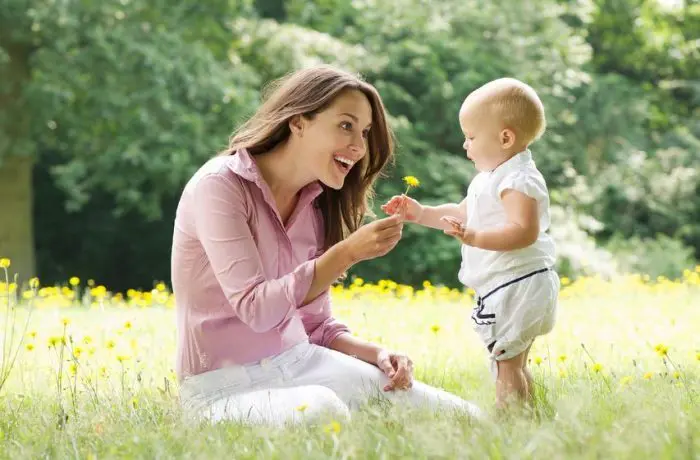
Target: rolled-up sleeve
[
  {"x": 320, "y": 325},
  {"x": 222, "y": 229}
]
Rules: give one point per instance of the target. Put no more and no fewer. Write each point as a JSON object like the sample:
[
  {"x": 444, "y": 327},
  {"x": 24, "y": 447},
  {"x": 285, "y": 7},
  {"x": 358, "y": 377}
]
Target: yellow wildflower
[
  {"x": 34, "y": 283},
  {"x": 411, "y": 181},
  {"x": 697, "y": 355},
  {"x": 73, "y": 368},
  {"x": 5, "y": 262},
  {"x": 626, "y": 380},
  {"x": 661, "y": 349},
  {"x": 538, "y": 360},
  {"x": 648, "y": 375},
  {"x": 333, "y": 427},
  {"x": 160, "y": 287},
  {"x": 122, "y": 358},
  {"x": 77, "y": 352},
  {"x": 676, "y": 375},
  {"x": 32, "y": 334},
  {"x": 302, "y": 407},
  {"x": 65, "y": 321},
  {"x": 127, "y": 325},
  {"x": 74, "y": 281},
  {"x": 110, "y": 344},
  {"x": 562, "y": 358},
  {"x": 435, "y": 328},
  {"x": 597, "y": 367},
  {"x": 30, "y": 346},
  {"x": 87, "y": 340}
]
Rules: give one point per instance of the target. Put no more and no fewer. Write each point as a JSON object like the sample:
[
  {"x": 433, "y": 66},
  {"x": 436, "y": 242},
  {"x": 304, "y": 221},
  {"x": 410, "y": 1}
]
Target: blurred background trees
[{"x": 107, "y": 108}]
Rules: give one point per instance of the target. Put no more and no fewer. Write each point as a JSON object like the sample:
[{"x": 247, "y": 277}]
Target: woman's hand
[
  {"x": 375, "y": 239},
  {"x": 398, "y": 368},
  {"x": 411, "y": 208}
]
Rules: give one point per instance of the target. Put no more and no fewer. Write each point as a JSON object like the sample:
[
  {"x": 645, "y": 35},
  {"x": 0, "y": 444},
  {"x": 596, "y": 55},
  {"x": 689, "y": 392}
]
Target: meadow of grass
[{"x": 617, "y": 378}]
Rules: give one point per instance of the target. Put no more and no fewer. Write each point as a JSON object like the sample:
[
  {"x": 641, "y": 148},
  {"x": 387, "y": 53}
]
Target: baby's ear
[{"x": 507, "y": 138}]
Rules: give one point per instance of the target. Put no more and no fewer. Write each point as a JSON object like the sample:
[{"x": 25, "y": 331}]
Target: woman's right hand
[
  {"x": 375, "y": 239},
  {"x": 412, "y": 209}
]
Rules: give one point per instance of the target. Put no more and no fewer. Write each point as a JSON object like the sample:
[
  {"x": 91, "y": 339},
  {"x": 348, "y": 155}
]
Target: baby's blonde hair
[{"x": 516, "y": 104}]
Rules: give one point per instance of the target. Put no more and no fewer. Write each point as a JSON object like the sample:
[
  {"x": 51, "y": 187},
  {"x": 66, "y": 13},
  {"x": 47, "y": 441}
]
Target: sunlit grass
[{"x": 617, "y": 378}]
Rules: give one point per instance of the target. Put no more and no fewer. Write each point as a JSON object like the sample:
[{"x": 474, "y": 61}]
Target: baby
[{"x": 507, "y": 258}]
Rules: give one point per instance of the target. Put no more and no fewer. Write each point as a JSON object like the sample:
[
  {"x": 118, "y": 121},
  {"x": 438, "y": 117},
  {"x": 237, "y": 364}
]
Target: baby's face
[{"x": 481, "y": 133}]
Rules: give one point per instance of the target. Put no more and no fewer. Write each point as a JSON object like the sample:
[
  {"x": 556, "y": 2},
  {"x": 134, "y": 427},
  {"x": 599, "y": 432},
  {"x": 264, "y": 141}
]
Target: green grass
[{"x": 614, "y": 412}]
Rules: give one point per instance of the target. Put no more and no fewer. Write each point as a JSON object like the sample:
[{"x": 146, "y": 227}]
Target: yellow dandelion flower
[
  {"x": 676, "y": 375},
  {"x": 32, "y": 334},
  {"x": 110, "y": 344},
  {"x": 87, "y": 340},
  {"x": 103, "y": 371},
  {"x": 435, "y": 328},
  {"x": 562, "y": 358},
  {"x": 411, "y": 181},
  {"x": 538, "y": 360},
  {"x": 427, "y": 284},
  {"x": 626, "y": 380},
  {"x": 302, "y": 407},
  {"x": 333, "y": 427},
  {"x": 358, "y": 281},
  {"x": 91, "y": 283},
  {"x": 34, "y": 283},
  {"x": 697, "y": 356},
  {"x": 160, "y": 287},
  {"x": 134, "y": 403},
  {"x": 648, "y": 375},
  {"x": 565, "y": 281},
  {"x": 122, "y": 358},
  {"x": 53, "y": 341},
  {"x": 73, "y": 368},
  {"x": 30, "y": 346},
  {"x": 74, "y": 281},
  {"x": 5, "y": 262},
  {"x": 127, "y": 325},
  {"x": 597, "y": 367},
  {"x": 661, "y": 349},
  {"x": 65, "y": 321},
  {"x": 77, "y": 352}
]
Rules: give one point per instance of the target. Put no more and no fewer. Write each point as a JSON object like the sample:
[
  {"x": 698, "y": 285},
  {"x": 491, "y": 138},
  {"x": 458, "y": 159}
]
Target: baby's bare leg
[
  {"x": 512, "y": 383},
  {"x": 528, "y": 376}
]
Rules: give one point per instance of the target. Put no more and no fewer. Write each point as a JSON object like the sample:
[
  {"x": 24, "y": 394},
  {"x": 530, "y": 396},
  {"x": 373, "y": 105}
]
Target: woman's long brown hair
[{"x": 307, "y": 92}]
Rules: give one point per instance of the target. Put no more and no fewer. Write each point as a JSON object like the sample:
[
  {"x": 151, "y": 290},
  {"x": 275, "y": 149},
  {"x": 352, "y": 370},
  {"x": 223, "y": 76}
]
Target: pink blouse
[{"x": 240, "y": 275}]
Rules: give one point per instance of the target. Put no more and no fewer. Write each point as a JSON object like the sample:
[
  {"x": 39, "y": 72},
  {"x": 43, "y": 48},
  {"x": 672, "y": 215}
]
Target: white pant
[{"x": 302, "y": 383}]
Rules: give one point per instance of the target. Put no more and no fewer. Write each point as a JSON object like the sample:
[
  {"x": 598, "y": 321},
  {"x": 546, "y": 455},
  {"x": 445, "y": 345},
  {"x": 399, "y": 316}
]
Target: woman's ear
[
  {"x": 296, "y": 125},
  {"x": 507, "y": 138}
]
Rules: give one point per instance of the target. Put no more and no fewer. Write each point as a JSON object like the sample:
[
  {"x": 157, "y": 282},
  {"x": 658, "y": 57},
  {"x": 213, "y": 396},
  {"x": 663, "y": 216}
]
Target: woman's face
[{"x": 335, "y": 140}]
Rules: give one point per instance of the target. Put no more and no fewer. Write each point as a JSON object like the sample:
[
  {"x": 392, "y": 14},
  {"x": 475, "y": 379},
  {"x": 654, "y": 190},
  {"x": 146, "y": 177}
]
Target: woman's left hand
[{"x": 398, "y": 367}]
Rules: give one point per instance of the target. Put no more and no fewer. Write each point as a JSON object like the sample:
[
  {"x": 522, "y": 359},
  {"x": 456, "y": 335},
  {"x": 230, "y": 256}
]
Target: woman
[{"x": 261, "y": 233}]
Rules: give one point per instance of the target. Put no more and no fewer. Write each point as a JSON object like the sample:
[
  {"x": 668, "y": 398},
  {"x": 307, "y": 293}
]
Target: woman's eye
[
  {"x": 346, "y": 125},
  {"x": 365, "y": 133}
]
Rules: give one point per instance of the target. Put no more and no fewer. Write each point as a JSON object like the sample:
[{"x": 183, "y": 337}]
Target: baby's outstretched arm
[
  {"x": 521, "y": 231},
  {"x": 428, "y": 216}
]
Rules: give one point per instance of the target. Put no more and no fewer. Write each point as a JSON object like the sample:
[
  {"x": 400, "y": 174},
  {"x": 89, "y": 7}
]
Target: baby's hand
[
  {"x": 411, "y": 209},
  {"x": 459, "y": 231}
]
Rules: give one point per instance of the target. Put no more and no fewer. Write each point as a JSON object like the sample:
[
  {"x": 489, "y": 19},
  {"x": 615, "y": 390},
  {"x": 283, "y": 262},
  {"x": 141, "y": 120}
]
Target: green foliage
[
  {"x": 121, "y": 101},
  {"x": 659, "y": 256}
]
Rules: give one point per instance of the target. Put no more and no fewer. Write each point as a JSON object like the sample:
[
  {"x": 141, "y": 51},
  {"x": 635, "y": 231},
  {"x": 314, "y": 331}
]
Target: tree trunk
[
  {"x": 16, "y": 162},
  {"x": 16, "y": 227}
]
